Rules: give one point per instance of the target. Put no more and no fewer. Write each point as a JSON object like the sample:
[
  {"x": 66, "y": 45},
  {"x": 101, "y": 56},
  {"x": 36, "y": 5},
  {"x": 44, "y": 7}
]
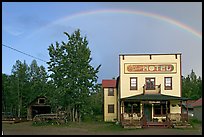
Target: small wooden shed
[
  {"x": 197, "y": 109},
  {"x": 39, "y": 105}
]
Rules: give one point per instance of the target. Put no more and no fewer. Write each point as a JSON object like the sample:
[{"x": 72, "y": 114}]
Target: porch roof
[{"x": 154, "y": 97}]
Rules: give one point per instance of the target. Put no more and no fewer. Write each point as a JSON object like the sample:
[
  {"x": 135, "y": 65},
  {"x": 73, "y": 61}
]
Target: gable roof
[
  {"x": 35, "y": 100},
  {"x": 109, "y": 83},
  {"x": 197, "y": 103}
]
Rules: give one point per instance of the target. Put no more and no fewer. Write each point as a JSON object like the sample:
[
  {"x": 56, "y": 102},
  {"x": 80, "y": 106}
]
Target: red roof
[
  {"x": 191, "y": 101},
  {"x": 109, "y": 83},
  {"x": 197, "y": 103}
]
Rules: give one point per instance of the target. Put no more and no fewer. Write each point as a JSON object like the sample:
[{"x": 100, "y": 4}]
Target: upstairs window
[
  {"x": 150, "y": 83},
  {"x": 133, "y": 83},
  {"x": 168, "y": 83},
  {"x": 110, "y": 91}
]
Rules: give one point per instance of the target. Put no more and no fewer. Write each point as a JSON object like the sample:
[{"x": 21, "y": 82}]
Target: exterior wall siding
[
  {"x": 198, "y": 112},
  {"x": 159, "y": 77},
  {"x": 174, "y": 107},
  {"x": 108, "y": 100}
]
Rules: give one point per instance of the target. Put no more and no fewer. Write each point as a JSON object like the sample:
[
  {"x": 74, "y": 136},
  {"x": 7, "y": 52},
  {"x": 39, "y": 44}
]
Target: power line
[{"x": 24, "y": 53}]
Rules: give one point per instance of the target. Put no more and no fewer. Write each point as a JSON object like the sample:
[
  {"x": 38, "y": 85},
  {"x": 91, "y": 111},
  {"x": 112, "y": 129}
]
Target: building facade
[
  {"x": 148, "y": 90},
  {"x": 110, "y": 99}
]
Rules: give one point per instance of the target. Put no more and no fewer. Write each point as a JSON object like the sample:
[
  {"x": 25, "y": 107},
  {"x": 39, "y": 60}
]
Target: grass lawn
[
  {"x": 91, "y": 128},
  {"x": 90, "y": 125}
]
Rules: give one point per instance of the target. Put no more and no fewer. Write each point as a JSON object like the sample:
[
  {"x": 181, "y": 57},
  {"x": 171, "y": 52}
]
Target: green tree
[
  {"x": 20, "y": 74},
  {"x": 6, "y": 93},
  {"x": 23, "y": 85},
  {"x": 37, "y": 80},
  {"x": 72, "y": 73},
  {"x": 96, "y": 103},
  {"x": 192, "y": 86}
]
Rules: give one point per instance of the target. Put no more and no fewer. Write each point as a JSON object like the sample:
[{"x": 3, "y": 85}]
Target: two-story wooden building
[{"x": 147, "y": 91}]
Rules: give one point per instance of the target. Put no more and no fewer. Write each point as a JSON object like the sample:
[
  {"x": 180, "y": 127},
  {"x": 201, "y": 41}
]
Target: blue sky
[{"x": 111, "y": 29}]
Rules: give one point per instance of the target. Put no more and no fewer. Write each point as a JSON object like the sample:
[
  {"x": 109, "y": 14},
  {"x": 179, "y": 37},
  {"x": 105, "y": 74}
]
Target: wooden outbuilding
[
  {"x": 197, "y": 108},
  {"x": 39, "y": 105}
]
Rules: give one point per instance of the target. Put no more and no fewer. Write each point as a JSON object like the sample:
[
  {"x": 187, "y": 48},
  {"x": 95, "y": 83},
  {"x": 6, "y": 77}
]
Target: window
[
  {"x": 150, "y": 83},
  {"x": 168, "y": 83},
  {"x": 157, "y": 109},
  {"x": 136, "y": 107},
  {"x": 162, "y": 108},
  {"x": 111, "y": 108},
  {"x": 132, "y": 107},
  {"x": 110, "y": 91},
  {"x": 128, "y": 107},
  {"x": 133, "y": 83},
  {"x": 41, "y": 101}
]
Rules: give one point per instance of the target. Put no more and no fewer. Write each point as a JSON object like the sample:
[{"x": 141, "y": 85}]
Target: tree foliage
[
  {"x": 192, "y": 86},
  {"x": 71, "y": 84},
  {"x": 72, "y": 73},
  {"x": 25, "y": 83}
]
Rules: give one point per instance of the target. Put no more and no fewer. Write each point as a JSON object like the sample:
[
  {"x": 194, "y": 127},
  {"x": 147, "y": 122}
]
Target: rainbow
[{"x": 133, "y": 12}]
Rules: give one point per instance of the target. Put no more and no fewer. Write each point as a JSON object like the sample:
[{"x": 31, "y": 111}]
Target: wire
[{"x": 24, "y": 53}]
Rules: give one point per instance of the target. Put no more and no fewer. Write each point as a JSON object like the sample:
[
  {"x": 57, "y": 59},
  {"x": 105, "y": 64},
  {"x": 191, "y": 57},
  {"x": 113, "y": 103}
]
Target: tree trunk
[
  {"x": 68, "y": 113},
  {"x": 79, "y": 116},
  {"x": 76, "y": 115},
  {"x": 73, "y": 118},
  {"x": 19, "y": 110}
]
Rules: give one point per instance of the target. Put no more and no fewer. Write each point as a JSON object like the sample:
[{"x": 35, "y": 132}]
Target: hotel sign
[{"x": 150, "y": 68}]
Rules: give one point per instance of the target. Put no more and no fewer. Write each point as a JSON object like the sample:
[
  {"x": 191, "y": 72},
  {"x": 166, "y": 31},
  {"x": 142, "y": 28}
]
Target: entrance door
[{"x": 148, "y": 112}]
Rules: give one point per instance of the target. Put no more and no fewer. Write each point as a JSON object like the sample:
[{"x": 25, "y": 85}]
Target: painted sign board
[{"x": 150, "y": 68}]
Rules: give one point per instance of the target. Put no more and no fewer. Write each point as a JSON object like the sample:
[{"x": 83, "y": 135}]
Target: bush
[
  {"x": 45, "y": 123},
  {"x": 194, "y": 121},
  {"x": 92, "y": 118}
]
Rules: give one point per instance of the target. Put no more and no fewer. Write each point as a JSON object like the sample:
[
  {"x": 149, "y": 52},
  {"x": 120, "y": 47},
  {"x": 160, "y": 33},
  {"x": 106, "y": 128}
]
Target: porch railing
[
  {"x": 155, "y": 89},
  {"x": 177, "y": 117},
  {"x": 133, "y": 119}
]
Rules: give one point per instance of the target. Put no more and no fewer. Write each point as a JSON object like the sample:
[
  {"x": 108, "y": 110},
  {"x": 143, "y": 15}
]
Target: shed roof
[
  {"x": 197, "y": 103},
  {"x": 109, "y": 83},
  {"x": 188, "y": 103}
]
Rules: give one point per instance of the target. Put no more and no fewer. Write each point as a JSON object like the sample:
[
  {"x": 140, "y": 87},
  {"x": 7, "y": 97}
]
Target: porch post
[
  {"x": 122, "y": 110},
  {"x": 182, "y": 113},
  {"x": 187, "y": 109},
  {"x": 166, "y": 111},
  {"x": 132, "y": 108},
  {"x": 142, "y": 108},
  {"x": 143, "y": 116},
  {"x": 166, "y": 107}
]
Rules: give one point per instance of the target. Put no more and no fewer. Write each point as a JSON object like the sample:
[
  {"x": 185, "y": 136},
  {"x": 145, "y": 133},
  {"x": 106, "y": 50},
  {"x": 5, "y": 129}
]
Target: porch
[
  {"x": 129, "y": 120},
  {"x": 149, "y": 110}
]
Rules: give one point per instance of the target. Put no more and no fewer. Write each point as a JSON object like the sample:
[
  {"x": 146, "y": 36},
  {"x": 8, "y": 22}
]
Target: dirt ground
[{"x": 26, "y": 128}]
